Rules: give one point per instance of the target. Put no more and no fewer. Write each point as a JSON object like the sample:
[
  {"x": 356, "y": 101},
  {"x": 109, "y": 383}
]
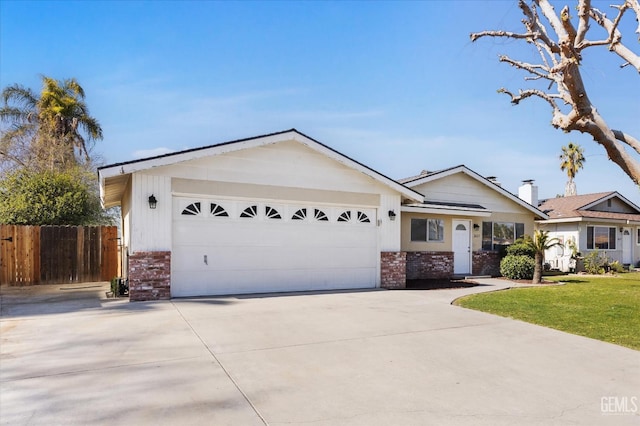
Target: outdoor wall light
[
  {"x": 392, "y": 215},
  {"x": 152, "y": 202},
  {"x": 476, "y": 226}
]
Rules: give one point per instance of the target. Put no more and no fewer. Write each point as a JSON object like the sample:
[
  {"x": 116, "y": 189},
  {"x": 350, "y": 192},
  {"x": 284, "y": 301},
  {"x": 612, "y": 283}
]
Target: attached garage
[
  {"x": 223, "y": 246},
  {"x": 273, "y": 213}
]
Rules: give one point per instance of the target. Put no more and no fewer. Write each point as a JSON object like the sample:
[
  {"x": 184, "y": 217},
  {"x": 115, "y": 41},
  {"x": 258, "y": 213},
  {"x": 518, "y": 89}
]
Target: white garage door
[{"x": 232, "y": 247}]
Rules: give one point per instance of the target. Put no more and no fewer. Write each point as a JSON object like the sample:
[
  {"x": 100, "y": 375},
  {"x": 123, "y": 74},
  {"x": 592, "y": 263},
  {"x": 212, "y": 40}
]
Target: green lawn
[{"x": 605, "y": 308}]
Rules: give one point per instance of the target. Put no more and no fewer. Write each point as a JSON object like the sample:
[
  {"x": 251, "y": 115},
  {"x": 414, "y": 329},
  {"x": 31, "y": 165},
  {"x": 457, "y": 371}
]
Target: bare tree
[{"x": 560, "y": 46}]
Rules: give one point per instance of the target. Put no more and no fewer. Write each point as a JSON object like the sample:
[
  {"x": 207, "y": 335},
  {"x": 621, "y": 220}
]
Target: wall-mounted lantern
[
  {"x": 392, "y": 215},
  {"x": 152, "y": 202},
  {"x": 476, "y": 226}
]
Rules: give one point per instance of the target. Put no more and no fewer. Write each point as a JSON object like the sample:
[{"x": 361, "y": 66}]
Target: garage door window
[
  {"x": 192, "y": 210},
  {"x": 363, "y": 218},
  {"x": 218, "y": 211},
  {"x": 300, "y": 215},
  {"x": 271, "y": 213},
  {"x": 319, "y": 215},
  {"x": 345, "y": 216},
  {"x": 250, "y": 212}
]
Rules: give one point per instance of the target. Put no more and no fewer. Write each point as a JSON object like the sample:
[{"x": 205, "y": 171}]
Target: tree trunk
[{"x": 537, "y": 270}]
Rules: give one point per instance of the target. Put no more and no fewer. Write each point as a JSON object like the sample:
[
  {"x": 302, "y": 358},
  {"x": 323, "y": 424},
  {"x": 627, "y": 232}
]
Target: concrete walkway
[{"x": 344, "y": 358}]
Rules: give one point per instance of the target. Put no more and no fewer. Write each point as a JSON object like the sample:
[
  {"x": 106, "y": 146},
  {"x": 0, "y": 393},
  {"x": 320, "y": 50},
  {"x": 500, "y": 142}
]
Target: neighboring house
[
  {"x": 283, "y": 212},
  {"x": 605, "y": 221}
]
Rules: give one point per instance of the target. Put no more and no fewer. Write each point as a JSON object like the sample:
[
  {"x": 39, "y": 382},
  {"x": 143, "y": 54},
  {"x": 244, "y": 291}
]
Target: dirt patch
[{"x": 438, "y": 284}]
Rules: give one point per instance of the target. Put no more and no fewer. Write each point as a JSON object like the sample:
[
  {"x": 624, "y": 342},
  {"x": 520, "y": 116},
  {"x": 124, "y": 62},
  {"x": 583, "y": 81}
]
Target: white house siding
[
  {"x": 461, "y": 188},
  {"x": 286, "y": 175},
  {"x": 390, "y": 230},
  {"x": 150, "y": 229}
]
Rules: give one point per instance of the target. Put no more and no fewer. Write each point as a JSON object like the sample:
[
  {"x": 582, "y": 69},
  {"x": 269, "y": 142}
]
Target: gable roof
[
  {"x": 114, "y": 177},
  {"x": 427, "y": 176},
  {"x": 577, "y": 208}
]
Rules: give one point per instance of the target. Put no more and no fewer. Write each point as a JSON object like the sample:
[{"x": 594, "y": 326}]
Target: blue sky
[{"x": 396, "y": 85}]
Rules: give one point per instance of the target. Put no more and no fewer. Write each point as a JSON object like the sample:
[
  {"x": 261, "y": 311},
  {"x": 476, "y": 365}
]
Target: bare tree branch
[
  {"x": 615, "y": 36},
  {"x": 560, "y": 62}
]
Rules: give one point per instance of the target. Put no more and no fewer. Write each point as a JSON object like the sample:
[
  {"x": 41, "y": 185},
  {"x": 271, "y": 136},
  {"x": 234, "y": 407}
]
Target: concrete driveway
[{"x": 346, "y": 358}]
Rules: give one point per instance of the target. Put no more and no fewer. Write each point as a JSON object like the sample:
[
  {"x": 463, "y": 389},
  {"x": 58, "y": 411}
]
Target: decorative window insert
[
  {"x": 345, "y": 216},
  {"x": 192, "y": 209},
  {"x": 250, "y": 212},
  {"x": 431, "y": 230},
  {"x": 363, "y": 218},
  {"x": 320, "y": 216},
  {"x": 218, "y": 211},
  {"x": 271, "y": 213},
  {"x": 601, "y": 237},
  {"x": 497, "y": 235},
  {"x": 300, "y": 214}
]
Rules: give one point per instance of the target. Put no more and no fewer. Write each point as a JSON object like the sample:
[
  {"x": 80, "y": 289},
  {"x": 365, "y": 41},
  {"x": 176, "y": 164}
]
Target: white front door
[
  {"x": 461, "y": 247},
  {"x": 627, "y": 247}
]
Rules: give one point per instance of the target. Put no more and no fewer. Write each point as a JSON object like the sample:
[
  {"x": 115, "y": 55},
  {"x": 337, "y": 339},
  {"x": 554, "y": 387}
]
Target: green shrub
[
  {"x": 521, "y": 247},
  {"x": 616, "y": 267},
  {"x": 518, "y": 267},
  {"x": 595, "y": 263}
]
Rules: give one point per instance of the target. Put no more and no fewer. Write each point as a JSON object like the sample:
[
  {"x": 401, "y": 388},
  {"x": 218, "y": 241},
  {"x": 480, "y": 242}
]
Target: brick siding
[
  {"x": 486, "y": 263},
  {"x": 150, "y": 275},
  {"x": 424, "y": 265},
  {"x": 393, "y": 269}
]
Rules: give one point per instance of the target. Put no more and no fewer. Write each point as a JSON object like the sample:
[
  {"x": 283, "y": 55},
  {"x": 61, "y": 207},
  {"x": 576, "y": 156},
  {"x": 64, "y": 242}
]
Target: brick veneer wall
[
  {"x": 424, "y": 265},
  {"x": 150, "y": 275},
  {"x": 486, "y": 263},
  {"x": 393, "y": 269}
]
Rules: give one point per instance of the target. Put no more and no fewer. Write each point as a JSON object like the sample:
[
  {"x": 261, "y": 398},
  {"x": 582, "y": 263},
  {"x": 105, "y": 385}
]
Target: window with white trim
[
  {"x": 601, "y": 238},
  {"x": 638, "y": 236},
  {"x": 321, "y": 216},
  {"x": 345, "y": 216},
  {"x": 250, "y": 212},
  {"x": 218, "y": 211},
  {"x": 363, "y": 218},
  {"x": 271, "y": 213},
  {"x": 497, "y": 235},
  {"x": 301, "y": 214},
  {"x": 192, "y": 209},
  {"x": 429, "y": 230}
]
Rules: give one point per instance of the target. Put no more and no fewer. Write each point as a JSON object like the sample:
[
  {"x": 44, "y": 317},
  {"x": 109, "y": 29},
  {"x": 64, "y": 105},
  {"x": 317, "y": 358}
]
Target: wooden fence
[{"x": 57, "y": 254}]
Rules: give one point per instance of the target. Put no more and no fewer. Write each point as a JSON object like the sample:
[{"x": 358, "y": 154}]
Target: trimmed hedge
[
  {"x": 521, "y": 248},
  {"x": 517, "y": 267}
]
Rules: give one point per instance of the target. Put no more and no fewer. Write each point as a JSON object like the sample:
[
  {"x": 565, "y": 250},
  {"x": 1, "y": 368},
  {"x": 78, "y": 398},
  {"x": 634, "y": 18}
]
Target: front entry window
[
  {"x": 431, "y": 230},
  {"x": 497, "y": 235}
]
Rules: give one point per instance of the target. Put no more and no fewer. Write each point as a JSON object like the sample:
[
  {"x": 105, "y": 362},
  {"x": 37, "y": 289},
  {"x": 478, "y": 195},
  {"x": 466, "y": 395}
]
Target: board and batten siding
[
  {"x": 389, "y": 230},
  {"x": 150, "y": 229}
]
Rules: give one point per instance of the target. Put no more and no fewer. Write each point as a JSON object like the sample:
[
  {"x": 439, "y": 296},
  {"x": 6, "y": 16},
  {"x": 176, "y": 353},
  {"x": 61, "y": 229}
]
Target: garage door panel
[
  {"x": 255, "y": 255},
  {"x": 272, "y": 280}
]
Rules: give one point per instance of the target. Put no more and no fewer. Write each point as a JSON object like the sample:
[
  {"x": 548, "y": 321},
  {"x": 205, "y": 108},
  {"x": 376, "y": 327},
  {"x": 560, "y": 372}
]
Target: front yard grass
[{"x": 603, "y": 308}]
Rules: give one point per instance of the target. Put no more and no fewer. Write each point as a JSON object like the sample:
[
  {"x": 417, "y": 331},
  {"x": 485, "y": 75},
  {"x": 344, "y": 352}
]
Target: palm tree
[
  {"x": 571, "y": 160},
  {"x": 540, "y": 243},
  {"x": 46, "y": 130}
]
